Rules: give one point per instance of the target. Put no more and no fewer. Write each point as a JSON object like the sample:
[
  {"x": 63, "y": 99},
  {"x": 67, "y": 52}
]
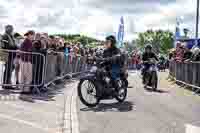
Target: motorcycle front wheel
[
  {"x": 87, "y": 92},
  {"x": 122, "y": 94}
]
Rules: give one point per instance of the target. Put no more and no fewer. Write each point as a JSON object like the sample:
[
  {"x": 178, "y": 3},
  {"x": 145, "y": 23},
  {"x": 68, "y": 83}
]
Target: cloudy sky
[{"x": 96, "y": 17}]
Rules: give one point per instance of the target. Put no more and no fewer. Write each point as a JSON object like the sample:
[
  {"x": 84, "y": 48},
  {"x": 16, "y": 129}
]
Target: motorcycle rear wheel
[
  {"x": 88, "y": 90},
  {"x": 121, "y": 97},
  {"x": 154, "y": 81}
]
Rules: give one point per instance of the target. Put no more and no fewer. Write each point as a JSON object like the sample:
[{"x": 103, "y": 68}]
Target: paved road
[
  {"x": 37, "y": 114},
  {"x": 143, "y": 112},
  {"x": 167, "y": 111}
]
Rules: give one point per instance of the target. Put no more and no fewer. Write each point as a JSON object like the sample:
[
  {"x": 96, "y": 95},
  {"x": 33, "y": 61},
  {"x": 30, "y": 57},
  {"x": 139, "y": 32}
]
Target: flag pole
[{"x": 197, "y": 23}]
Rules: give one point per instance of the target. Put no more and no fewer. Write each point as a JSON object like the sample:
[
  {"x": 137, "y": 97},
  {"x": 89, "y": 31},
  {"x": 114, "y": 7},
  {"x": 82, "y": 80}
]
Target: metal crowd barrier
[
  {"x": 187, "y": 73},
  {"x": 21, "y": 69},
  {"x": 59, "y": 66},
  {"x": 37, "y": 70}
]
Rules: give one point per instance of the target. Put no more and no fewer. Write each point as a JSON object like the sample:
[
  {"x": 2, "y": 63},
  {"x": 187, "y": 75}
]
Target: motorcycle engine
[{"x": 107, "y": 80}]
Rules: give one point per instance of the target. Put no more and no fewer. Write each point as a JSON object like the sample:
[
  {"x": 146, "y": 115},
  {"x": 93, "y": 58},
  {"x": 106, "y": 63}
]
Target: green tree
[
  {"x": 79, "y": 38},
  {"x": 161, "y": 40}
]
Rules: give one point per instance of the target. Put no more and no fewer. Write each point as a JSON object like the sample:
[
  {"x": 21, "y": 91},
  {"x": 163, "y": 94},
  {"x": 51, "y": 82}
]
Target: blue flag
[{"x": 120, "y": 35}]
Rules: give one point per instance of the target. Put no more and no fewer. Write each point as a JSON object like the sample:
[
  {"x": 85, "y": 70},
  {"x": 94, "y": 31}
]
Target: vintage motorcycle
[
  {"x": 151, "y": 76},
  {"x": 97, "y": 85}
]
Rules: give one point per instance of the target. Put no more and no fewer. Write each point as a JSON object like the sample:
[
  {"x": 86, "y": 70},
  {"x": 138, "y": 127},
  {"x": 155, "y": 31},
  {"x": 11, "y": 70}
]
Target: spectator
[
  {"x": 187, "y": 55},
  {"x": 37, "y": 36},
  {"x": 44, "y": 41},
  {"x": 134, "y": 60},
  {"x": 76, "y": 50},
  {"x": 26, "y": 58},
  {"x": 8, "y": 43},
  {"x": 61, "y": 46},
  {"x": 18, "y": 40},
  {"x": 82, "y": 51},
  {"x": 172, "y": 54},
  {"x": 196, "y": 54},
  {"x": 179, "y": 52},
  {"x": 60, "y": 57},
  {"x": 52, "y": 44},
  {"x": 38, "y": 63}
]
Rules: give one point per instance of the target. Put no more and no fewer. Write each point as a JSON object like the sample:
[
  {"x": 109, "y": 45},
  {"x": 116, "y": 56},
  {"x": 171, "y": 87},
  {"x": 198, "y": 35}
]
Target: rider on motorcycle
[
  {"x": 113, "y": 59},
  {"x": 147, "y": 55}
]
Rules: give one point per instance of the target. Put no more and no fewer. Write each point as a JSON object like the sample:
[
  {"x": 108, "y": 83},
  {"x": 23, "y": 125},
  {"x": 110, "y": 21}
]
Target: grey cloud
[
  {"x": 127, "y": 6},
  {"x": 3, "y": 12},
  {"x": 56, "y": 20},
  {"x": 51, "y": 4},
  {"x": 127, "y": 2},
  {"x": 52, "y": 13},
  {"x": 188, "y": 18},
  {"x": 48, "y": 19}
]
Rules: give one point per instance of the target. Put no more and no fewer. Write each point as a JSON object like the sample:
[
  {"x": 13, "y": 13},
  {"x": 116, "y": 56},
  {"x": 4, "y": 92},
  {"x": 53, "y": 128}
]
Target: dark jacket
[
  {"x": 8, "y": 42},
  {"x": 38, "y": 62},
  {"x": 187, "y": 55},
  {"x": 147, "y": 56},
  {"x": 113, "y": 57},
  {"x": 26, "y": 46},
  {"x": 196, "y": 57},
  {"x": 38, "y": 58}
]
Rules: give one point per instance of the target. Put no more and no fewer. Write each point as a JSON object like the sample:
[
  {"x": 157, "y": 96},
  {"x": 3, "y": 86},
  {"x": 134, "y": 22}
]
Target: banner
[{"x": 120, "y": 35}]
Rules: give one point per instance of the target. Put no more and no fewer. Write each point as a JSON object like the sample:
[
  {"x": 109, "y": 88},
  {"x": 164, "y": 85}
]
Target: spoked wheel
[
  {"x": 146, "y": 81},
  {"x": 87, "y": 92},
  {"x": 122, "y": 93},
  {"x": 154, "y": 81}
]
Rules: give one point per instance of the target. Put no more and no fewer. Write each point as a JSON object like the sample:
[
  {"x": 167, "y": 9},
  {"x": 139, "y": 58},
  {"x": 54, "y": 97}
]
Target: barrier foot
[
  {"x": 197, "y": 92},
  {"x": 44, "y": 89},
  {"x": 36, "y": 91},
  {"x": 53, "y": 84}
]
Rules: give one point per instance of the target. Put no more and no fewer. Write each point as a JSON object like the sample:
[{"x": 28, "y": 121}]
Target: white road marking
[
  {"x": 191, "y": 128},
  {"x": 71, "y": 123},
  {"x": 75, "y": 122},
  {"x": 27, "y": 109},
  {"x": 34, "y": 125},
  {"x": 50, "y": 103}
]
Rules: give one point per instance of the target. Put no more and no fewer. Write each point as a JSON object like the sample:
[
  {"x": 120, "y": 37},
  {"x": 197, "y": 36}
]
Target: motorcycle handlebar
[{"x": 150, "y": 61}]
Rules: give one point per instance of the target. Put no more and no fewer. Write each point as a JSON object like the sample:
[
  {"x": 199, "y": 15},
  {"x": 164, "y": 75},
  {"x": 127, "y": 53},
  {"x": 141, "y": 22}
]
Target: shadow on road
[
  {"x": 156, "y": 91},
  {"x": 8, "y": 92},
  {"x": 47, "y": 96},
  {"x": 53, "y": 90},
  {"x": 112, "y": 107}
]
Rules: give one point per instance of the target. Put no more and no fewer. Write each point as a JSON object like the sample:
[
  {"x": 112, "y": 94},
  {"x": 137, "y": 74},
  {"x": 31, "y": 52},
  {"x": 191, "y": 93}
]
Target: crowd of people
[
  {"x": 135, "y": 60},
  {"x": 27, "y": 45},
  {"x": 32, "y": 42},
  {"x": 183, "y": 54}
]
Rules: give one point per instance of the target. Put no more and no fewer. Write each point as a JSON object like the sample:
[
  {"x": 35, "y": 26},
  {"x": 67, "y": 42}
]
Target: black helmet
[
  {"x": 112, "y": 39},
  {"x": 148, "y": 46}
]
